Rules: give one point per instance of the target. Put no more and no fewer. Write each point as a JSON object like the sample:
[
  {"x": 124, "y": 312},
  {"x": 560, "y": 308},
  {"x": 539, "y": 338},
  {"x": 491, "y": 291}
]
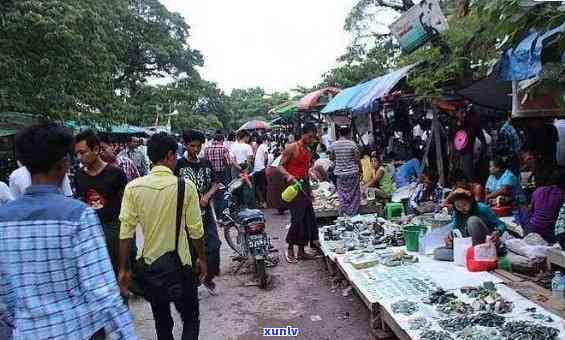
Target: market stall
[
  {"x": 326, "y": 202},
  {"x": 416, "y": 297}
]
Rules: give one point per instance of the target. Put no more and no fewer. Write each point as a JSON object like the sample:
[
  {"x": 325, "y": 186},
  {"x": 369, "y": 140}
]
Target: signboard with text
[{"x": 418, "y": 25}]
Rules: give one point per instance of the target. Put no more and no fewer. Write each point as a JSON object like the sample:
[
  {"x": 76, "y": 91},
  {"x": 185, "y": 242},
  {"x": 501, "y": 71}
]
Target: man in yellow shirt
[{"x": 151, "y": 201}]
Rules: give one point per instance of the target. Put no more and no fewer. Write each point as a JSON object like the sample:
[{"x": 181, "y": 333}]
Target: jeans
[{"x": 188, "y": 308}]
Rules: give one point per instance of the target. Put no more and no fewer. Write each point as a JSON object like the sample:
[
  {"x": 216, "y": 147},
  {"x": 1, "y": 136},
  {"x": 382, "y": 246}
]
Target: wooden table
[{"x": 375, "y": 208}]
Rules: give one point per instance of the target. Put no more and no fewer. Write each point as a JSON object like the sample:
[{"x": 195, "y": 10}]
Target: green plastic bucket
[{"x": 412, "y": 235}]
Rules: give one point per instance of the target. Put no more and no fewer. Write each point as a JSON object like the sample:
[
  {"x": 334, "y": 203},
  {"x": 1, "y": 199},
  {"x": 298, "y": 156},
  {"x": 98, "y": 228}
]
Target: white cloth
[
  {"x": 327, "y": 140},
  {"x": 20, "y": 180},
  {"x": 261, "y": 156},
  {"x": 5, "y": 194},
  {"x": 241, "y": 152}
]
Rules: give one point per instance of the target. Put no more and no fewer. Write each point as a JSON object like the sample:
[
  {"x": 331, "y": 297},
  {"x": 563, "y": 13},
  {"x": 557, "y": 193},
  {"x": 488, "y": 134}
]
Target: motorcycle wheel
[
  {"x": 261, "y": 269},
  {"x": 230, "y": 234}
]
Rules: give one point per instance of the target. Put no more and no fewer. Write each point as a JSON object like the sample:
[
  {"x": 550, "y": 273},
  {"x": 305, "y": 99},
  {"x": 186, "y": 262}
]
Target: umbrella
[
  {"x": 286, "y": 110},
  {"x": 317, "y": 98},
  {"x": 255, "y": 125}
]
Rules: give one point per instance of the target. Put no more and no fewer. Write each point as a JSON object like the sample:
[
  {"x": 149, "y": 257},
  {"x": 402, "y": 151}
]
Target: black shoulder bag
[{"x": 164, "y": 279}]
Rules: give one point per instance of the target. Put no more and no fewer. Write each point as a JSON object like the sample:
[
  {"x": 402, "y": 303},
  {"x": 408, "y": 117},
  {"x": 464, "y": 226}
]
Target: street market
[{"x": 413, "y": 190}]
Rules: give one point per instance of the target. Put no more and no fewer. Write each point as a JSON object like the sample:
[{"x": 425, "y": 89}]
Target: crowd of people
[
  {"x": 75, "y": 213},
  {"x": 72, "y": 213}
]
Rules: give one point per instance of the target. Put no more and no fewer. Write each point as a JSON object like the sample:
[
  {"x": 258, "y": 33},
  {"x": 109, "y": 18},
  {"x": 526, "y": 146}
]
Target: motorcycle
[{"x": 244, "y": 231}]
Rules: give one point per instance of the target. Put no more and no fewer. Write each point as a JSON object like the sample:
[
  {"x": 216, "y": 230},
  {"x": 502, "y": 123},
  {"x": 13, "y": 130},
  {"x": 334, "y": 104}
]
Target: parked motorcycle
[{"x": 244, "y": 231}]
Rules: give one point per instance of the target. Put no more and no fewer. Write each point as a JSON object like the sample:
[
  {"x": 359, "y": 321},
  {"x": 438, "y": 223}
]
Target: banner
[{"x": 418, "y": 25}]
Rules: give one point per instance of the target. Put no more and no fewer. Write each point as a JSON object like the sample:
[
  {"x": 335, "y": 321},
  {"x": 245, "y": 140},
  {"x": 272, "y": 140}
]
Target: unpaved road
[{"x": 300, "y": 293}]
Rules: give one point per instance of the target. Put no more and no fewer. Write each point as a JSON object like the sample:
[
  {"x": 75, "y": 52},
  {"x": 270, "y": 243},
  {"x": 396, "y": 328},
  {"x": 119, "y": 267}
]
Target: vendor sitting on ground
[
  {"x": 472, "y": 219},
  {"x": 408, "y": 172},
  {"x": 428, "y": 195},
  {"x": 459, "y": 180},
  {"x": 547, "y": 200},
  {"x": 503, "y": 187},
  {"x": 377, "y": 176}
]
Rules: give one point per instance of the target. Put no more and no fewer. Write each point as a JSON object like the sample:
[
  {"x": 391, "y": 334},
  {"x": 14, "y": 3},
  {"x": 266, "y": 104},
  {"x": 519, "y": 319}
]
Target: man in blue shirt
[{"x": 56, "y": 280}]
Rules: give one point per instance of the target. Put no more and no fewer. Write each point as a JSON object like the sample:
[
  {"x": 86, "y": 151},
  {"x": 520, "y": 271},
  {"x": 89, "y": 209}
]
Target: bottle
[
  {"x": 557, "y": 285},
  {"x": 290, "y": 193},
  {"x": 422, "y": 242}
]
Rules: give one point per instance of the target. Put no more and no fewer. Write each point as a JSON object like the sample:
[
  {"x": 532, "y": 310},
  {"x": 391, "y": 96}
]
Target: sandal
[
  {"x": 308, "y": 257},
  {"x": 290, "y": 259}
]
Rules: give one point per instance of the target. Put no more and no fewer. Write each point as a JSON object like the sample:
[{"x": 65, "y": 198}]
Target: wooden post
[{"x": 436, "y": 131}]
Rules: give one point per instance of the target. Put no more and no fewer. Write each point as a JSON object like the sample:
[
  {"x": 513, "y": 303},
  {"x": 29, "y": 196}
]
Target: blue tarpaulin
[
  {"x": 524, "y": 61},
  {"x": 362, "y": 99},
  {"x": 345, "y": 99},
  {"x": 380, "y": 87}
]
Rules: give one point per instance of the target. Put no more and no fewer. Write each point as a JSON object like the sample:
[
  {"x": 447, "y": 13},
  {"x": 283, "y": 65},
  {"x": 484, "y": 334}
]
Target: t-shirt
[
  {"x": 408, "y": 172},
  {"x": 198, "y": 172},
  {"x": 327, "y": 140},
  {"x": 260, "y": 157},
  {"x": 103, "y": 192},
  {"x": 241, "y": 151},
  {"x": 546, "y": 203},
  {"x": 20, "y": 180},
  {"x": 346, "y": 157},
  {"x": 507, "y": 179}
]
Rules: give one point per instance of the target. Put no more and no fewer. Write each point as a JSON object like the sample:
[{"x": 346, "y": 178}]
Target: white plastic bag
[
  {"x": 486, "y": 252},
  {"x": 460, "y": 247}
]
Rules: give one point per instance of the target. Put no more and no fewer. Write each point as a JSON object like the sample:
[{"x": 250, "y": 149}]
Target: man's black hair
[
  {"x": 90, "y": 137},
  {"x": 260, "y": 139},
  {"x": 242, "y": 134},
  {"x": 106, "y": 139},
  {"x": 345, "y": 131},
  {"x": 309, "y": 127},
  {"x": 159, "y": 146},
  {"x": 40, "y": 147},
  {"x": 219, "y": 136},
  {"x": 231, "y": 136},
  {"x": 500, "y": 162},
  {"x": 325, "y": 129},
  {"x": 191, "y": 135}
]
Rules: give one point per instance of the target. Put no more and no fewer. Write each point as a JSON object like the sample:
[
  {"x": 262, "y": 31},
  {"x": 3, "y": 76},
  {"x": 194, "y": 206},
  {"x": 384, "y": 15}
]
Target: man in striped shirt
[
  {"x": 347, "y": 171},
  {"x": 56, "y": 280}
]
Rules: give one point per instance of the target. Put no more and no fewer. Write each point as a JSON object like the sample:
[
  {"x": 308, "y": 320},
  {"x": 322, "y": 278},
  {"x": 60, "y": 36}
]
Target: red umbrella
[{"x": 317, "y": 98}]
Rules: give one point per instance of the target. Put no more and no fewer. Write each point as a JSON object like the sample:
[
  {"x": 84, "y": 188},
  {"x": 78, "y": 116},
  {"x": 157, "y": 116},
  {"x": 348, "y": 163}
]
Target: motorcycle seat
[{"x": 251, "y": 215}]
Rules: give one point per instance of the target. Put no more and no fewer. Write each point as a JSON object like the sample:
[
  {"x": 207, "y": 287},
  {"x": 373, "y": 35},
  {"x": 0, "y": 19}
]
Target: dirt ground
[{"x": 303, "y": 296}]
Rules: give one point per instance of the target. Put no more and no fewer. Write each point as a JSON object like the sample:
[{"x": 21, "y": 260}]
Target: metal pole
[{"x": 439, "y": 157}]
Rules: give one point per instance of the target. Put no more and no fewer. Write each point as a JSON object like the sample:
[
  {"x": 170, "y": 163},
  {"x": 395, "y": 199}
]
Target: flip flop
[
  {"x": 289, "y": 259},
  {"x": 308, "y": 257}
]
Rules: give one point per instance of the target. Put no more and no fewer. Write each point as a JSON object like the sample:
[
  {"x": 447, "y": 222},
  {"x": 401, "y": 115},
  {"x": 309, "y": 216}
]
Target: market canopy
[
  {"x": 489, "y": 92},
  {"x": 379, "y": 88},
  {"x": 286, "y": 110},
  {"x": 346, "y": 98},
  {"x": 363, "y": 98},
  {"x": 317, "y": 99}
]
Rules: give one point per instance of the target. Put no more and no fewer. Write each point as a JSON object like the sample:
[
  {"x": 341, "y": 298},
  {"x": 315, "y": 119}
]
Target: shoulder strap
[{"x": 180, "y": 205}]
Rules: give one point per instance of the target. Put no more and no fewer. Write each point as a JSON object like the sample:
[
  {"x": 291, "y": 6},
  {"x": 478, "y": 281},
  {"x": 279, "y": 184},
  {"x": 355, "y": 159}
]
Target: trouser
[
  {"x": 112, "y": 235},
  {"x": 303, "y": 228},
  {"x": 212, "y": 244},
  {"x": 189, "y": 311},
  {"x": 220, "y": 204},
  {"x": 476, "y": 229},
  {"x": 468, "y": 165}
]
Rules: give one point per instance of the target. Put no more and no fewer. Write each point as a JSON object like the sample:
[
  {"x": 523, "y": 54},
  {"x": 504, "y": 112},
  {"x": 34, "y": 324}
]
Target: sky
[{"x": 274, "y": 44}]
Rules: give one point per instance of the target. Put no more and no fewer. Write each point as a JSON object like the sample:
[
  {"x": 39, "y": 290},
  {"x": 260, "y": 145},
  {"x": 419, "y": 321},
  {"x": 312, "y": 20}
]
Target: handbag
[{"x": 164, "y": 279}]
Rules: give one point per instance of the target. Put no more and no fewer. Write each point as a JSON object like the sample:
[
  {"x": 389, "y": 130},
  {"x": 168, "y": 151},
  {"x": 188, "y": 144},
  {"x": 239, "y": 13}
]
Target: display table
[
  {"x": 379, "y": 287},
  {"x": 373, "y": 208}
]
